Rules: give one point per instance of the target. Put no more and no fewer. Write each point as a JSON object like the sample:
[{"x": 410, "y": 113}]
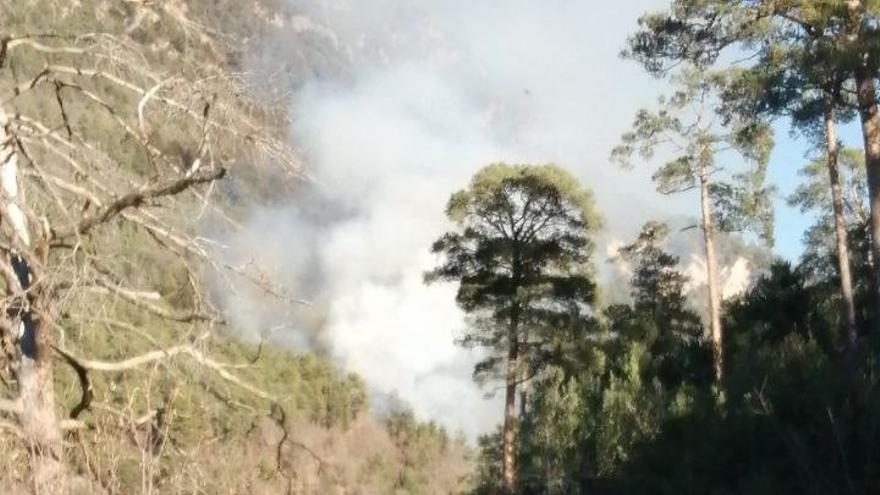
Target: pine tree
[
  {"x": 699, "y": 32},
  {"x": 520, "y": 254},
  {"x": 687, "y": 126}
]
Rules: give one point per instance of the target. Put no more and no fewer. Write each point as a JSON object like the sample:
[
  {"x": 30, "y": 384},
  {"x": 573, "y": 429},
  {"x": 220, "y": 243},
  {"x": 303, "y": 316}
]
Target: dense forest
[
  {"x": 771, "y": 391},
  {"x": 136, "y": 136}
]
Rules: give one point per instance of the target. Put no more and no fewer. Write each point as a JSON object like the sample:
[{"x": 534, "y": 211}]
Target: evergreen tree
[
  {"x": 845, "y": 223},
  {"x": 520, "y": 254},
  {"x": 698, "y": 32},
  {"x": 687, "y": 126},
  {"x": 651, "y": 364},
  {"x": 658, "y": 315},
  {"x": 803, "y": 79}
]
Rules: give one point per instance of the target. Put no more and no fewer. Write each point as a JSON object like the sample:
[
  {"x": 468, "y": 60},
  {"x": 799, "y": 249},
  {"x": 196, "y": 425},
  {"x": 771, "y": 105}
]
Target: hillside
[{"x": 161, "y": 395}]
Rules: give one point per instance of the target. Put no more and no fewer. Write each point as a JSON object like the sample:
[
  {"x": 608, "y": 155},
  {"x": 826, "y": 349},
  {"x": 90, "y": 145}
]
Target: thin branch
[
  {"x": 137, "y": 198},
  {"x": 152, "y": 356},
  {"x": 85, "y": 383},
  {"x": 10, "y": 406},
  {"x": 136, "y": 298}
]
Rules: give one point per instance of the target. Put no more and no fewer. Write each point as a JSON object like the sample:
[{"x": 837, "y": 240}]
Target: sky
[
  {"x": 396, "y": 105},
  {"x": 789, "y": 155}
]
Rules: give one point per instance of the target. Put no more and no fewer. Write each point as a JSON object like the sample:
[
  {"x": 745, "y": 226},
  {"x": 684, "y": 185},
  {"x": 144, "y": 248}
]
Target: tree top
[{"x": 489, "y": 181}]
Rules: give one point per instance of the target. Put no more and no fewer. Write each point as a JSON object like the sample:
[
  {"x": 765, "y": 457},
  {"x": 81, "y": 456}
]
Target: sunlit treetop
[
  {"x": 698, "y": 31},
  {"x": 488, "y": 186},
  {"x": 694, "y": 138}
]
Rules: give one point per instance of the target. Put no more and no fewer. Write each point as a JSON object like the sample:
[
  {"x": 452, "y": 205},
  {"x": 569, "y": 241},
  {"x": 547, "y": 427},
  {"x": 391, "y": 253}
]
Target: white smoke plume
[{"x": 395, "y": 105}]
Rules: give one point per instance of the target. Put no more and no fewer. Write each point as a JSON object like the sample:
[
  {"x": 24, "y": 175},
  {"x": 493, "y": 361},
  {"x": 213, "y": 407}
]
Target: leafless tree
[{"x": 97, "y": 145}]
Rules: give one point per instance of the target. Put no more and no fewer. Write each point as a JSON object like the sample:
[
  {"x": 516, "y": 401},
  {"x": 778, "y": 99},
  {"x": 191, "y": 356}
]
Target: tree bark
[
  {"x": 524, "y": 374},
  {"x": 714, "y": 298},
  {"x": 870, "y": 120},
  {"x": 843, "y": 260},
  {"x": 39, "y": 422},
  {"x": 508, "y": 430}
]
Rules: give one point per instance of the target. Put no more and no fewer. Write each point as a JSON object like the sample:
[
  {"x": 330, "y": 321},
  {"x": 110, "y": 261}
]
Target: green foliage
[
  {"x": 422, "y": 446},
  {"x": 520, "y": 255},
  {"x": 696, "y": 142},
  {"x": 794, "y": 419},
  {"x": 647, "y": 364},
  {"x": 819, "y": 258},
  {"x": 793, "y": 416},
  {"x": 659, "y": 317},
  {"x": 550, "y": 451},
  {"x": 699, "y": 31},
  {"x": 206, "y": 425},
  {"x": 814, "y": 195},
  {"x": 488, "y": 475}
]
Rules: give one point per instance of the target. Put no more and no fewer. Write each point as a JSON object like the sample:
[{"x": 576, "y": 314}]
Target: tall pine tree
[
  {"x": 520, "y": 254},
  {"x": 694, "y": 137}
]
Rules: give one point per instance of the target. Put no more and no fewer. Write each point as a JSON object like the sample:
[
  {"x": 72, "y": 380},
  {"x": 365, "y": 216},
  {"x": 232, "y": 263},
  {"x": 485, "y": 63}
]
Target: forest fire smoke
[{"x": 395, "y": 106}]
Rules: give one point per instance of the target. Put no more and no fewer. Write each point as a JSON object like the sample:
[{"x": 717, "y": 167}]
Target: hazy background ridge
[{"x": 395, "y": 106}]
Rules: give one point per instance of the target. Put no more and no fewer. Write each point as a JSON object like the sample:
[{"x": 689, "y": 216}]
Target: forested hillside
[{"x": 128, "y": 127}]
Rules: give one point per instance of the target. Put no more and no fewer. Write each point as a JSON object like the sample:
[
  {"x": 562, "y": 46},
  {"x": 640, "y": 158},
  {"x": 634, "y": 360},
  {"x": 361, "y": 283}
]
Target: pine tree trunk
[
  {"x": 508, "y": 431},
  {"x": 523, "y": 391},
  {"x": 711, "y": 270},
  {"x": 843, "y": 262},
  {"x": 871, "y": 135},
  {"x": 524, "y": 374},
  {"x": 870, "y": 119}
]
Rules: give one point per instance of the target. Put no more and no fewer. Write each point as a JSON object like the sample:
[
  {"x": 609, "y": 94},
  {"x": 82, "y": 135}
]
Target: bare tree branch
[
  {"x": 139, "y": 197},
  {"x": 153, "y": 356}
]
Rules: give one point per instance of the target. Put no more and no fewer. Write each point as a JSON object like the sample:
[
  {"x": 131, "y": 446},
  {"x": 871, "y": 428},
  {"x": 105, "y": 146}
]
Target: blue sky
[{"x": 787, "y": 158}]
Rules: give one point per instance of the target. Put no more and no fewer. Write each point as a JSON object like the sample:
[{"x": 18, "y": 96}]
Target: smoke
[{"x": 395, "y": 105}]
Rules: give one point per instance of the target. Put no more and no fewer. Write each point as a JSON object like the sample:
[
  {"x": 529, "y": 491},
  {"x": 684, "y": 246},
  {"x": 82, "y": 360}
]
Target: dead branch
[
  {"x": 153, "y": 356},
  {"x": 136, "y": 299},
  {"x": 85, "y": 383},
  {"x": 10, "y": 406},
  {"x": 76, "y": 186},
  {"x": 138, "y": 197}
]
